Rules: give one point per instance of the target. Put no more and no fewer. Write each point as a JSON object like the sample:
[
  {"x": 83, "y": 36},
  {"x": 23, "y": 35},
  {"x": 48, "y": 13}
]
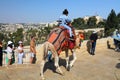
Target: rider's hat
[{"x": 65, "y": 11}]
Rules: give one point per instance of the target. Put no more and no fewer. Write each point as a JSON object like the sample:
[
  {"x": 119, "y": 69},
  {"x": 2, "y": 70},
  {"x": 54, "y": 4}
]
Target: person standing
[
  {"x": 32, "y": 50},
  {"x": 20, "y": 52},
  {"x": 10, "y": 52},
  {"x": 81, "y": 36},
  {"x": 1, "y": 53},
  {"x": 116, "y": 37},
  {"x": 93, "y": 39}
]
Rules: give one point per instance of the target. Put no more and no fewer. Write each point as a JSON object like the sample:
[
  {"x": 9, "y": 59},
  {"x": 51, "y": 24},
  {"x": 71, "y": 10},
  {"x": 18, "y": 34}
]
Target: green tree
[
  {"x": 101, "y": 24},
  {"x": 111, "y": 23},
  {"x": 77, "y": 23},
  {"x": 1, "y": 36},
  {"x": 118, "y": 16},
  {"x": 92, "y": 21},
  {"x": 17, "y": 36}
]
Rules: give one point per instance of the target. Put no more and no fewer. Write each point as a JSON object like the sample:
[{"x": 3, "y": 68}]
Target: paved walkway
[{"x": 104, "y": 65}]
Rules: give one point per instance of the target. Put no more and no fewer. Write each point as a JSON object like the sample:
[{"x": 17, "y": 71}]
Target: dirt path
[{"x": 104, "y": 65}]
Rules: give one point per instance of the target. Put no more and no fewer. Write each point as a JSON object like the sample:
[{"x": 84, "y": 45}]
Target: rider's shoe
[{"x": 71, "y": 39}]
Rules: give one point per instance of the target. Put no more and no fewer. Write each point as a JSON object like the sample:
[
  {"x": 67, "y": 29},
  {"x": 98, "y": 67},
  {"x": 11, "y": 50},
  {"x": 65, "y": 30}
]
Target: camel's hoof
[
  {"x": 62, "y": 74},
  {"x": 42, "y": 78},
  {"x": 71, "y": 66},
  {"x": 68, "y": 68}
]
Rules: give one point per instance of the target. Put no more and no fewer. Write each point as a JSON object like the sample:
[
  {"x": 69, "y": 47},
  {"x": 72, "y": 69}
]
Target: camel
[{"x": 55, "y": 50}]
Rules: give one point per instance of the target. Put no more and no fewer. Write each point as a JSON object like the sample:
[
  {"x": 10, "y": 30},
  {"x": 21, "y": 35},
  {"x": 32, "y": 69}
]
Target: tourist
[
  {"x": 9, "y": 52},
  {"x": 116, "y": 38},
  {"x": 1, "y": 53},
  {"x": 81, "y": 36},
  {"x": 32, "y": 50},
  {"x": 20, "y": 52},
  {"x": 93, "y": 39}
]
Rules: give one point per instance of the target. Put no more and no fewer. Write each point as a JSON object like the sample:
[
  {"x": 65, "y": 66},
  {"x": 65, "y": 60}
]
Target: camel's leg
[
  {"x": 44, "y": 48},
  {"x": 67, "y": 59},
  {"x": 74, "y": 58},
  {"x": 42, "y": 69},
  {"x": 44, "y": 53},
  {"x": 57, "y": 65},
  {"x": 56, "y": 58}
]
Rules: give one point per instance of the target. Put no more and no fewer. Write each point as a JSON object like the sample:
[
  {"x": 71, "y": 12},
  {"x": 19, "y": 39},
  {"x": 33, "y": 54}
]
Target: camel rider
[{"x": 63, "y": 20}]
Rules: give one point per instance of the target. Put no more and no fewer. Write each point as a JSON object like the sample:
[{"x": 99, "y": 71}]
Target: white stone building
[{"x": 99, "y": 19}]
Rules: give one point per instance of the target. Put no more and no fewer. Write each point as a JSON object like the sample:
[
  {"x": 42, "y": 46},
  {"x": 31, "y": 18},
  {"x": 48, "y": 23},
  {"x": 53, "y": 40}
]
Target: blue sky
[{"x": 36, "y": 11}]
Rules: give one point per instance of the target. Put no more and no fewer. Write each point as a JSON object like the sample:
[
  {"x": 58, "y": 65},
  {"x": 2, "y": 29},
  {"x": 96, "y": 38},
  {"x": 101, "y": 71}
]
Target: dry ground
[{"x": 104, "y": 65}]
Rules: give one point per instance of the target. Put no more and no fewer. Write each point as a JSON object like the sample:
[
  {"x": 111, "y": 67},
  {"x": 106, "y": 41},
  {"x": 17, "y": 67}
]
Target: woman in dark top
[{"x": 1, "y": 53}]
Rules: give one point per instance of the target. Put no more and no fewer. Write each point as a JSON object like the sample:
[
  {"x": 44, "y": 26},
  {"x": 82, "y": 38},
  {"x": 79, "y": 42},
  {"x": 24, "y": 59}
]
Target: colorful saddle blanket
[{"x": 59, "y": 38}]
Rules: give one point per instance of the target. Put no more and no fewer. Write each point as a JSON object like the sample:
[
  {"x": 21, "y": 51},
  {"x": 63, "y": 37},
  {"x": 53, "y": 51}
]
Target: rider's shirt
[{"x": 64, "y": 19}]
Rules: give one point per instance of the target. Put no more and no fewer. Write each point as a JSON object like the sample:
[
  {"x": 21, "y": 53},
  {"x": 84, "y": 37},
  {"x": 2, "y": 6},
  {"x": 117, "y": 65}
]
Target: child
[{"x": 63, "y": 20}]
